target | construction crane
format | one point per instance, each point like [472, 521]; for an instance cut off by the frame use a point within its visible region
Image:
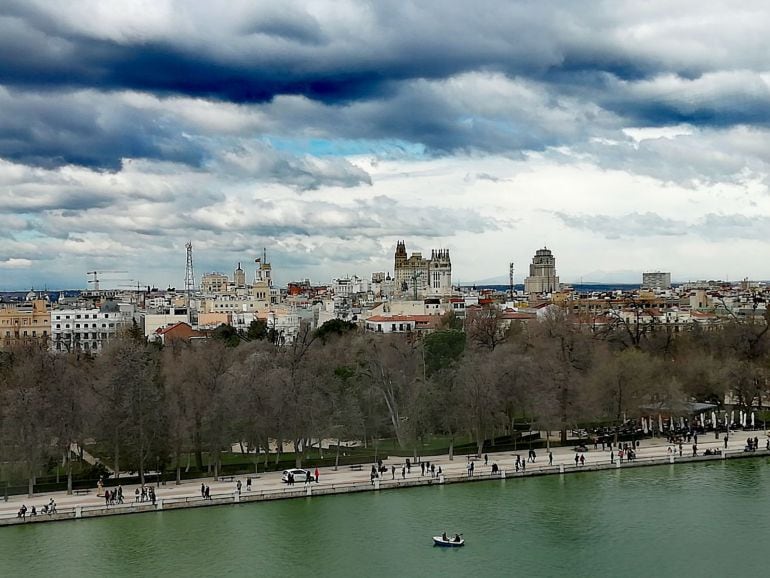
[95, 280]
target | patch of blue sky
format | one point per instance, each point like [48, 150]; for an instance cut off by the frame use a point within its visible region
[382, 148]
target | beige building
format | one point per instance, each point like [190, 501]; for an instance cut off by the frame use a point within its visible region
[25, 323]
[542, 273]
[418, 277]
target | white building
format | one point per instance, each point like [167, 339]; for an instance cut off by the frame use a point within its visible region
[164, 318]
[88, 329]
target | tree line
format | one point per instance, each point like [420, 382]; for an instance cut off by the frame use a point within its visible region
[147, 407]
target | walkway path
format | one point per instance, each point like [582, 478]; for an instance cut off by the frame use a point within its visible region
[331, 480]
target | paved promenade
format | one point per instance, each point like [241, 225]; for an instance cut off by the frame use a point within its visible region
[269, 485]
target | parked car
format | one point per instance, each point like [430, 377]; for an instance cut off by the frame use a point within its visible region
[299, 475]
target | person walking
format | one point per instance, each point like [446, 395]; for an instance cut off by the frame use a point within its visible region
[422, 468]
[582, 460]
[203, 492]
[403, 472]
[486, 459]
[577, 459]
[136, 494]
[248, 484]
[432, 470]
[725, 442]
[317, 474]
[238, 487]
[612, 457]
[207, 493]
[392, 472]
[120, 494]
[550, 458]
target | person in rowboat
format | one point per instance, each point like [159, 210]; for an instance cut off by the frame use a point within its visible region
[443, 537]
[457, 538]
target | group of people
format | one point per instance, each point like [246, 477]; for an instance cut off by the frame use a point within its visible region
[141, 494]
[111, 497]
[455, 539]
[49, 508]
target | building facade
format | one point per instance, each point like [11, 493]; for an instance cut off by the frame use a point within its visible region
[25, 324]
[419, 277]
[656, 280]
[86, 329]
[542, 273]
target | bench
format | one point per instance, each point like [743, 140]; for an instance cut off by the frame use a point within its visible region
[226, 478]
[357, 467]
[82, 492]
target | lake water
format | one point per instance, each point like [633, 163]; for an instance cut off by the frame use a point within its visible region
[704, 519]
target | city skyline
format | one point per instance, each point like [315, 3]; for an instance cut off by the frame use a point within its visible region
[627, 138]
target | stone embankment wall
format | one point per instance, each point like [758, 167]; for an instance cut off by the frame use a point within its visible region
[307, 490]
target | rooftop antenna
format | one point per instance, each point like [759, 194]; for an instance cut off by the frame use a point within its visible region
[189, 275]
[510, 278]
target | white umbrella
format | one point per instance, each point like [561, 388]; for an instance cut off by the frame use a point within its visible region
[644, 425]
[752, 420]
[660, 422]
[681, 422]
[714, 419]
[743, 418]
[732, 417]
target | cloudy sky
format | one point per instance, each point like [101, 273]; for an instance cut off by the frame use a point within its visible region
[625, 136]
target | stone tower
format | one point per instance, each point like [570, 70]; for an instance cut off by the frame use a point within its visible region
[239, 277]
[542, 273]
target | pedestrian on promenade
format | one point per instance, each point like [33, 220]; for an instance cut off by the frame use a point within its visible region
[152, 495]
[767, 444]
[392, 472]
[473, 467]
[486, 459]
[432, 470]
[523, 466]
[534, 456]
[603, 444]
[317, 474]
[577, 459]
[408, 466]
[403, 472]
[612, 457]
[550, 458]
[439, 471]
[203, 492]
[238, 487]
[422, 468]
[582, 460]
[207, 493]
[136, 494]
[468, 467]
[107, 498]
[120, 494]
[680, 449]
[725, 441]
[756, 443]
[248, 484]
[694, 450]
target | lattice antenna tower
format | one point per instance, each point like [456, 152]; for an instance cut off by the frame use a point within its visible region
[510, 279]
[189, 274]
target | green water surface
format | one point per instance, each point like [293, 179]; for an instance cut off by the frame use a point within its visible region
[704, 519]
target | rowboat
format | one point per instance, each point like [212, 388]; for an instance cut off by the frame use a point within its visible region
[448, 543]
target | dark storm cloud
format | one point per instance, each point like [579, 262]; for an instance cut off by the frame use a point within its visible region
[395, 70]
